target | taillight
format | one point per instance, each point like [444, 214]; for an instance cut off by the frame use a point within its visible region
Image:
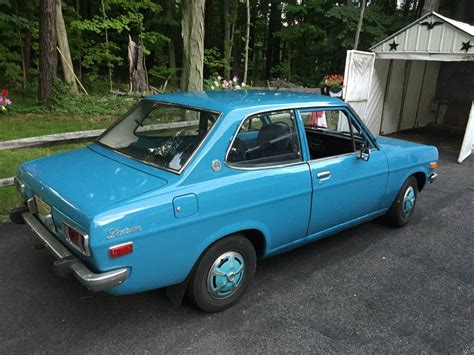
[77, 239]
[120, 250]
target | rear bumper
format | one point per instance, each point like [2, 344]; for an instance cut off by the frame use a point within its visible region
[68, 263]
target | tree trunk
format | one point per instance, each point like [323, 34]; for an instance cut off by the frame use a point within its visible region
[227, 39]
[193, 44]
[247, 39]
[137, 70]
[47, 43]
[273, 43]
[26, 56]
[430, 5]
[171, 49]
[63, 45]
[109, 66]
[359, 25]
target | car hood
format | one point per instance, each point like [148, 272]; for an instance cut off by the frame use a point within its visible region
[83, 181]
[388, 143]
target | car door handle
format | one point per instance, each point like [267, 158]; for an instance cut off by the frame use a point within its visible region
[323, 175]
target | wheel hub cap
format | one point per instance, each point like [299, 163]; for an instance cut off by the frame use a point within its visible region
[225, 275]
[408, 200]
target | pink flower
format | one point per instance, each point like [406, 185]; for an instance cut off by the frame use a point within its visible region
[8, 102]
[1, 98]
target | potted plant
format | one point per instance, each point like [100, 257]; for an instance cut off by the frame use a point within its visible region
[332, 84]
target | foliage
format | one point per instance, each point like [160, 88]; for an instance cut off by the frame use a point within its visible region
[333, 81]
[311, 39]
[4, 100]
[216, 82]
[213, 60]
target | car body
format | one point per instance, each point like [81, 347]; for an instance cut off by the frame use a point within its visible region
[160, 218]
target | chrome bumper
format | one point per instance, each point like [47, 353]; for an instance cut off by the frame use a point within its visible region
[68, 262]
[432, 177]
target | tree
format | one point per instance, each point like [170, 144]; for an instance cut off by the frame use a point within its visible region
[430, 5]
[359, 25]
[47, 47]
[169, 13]
[247, 39]
[193, 44]
[137, 70]
[65, 53]
[273, 42]
[229, 30]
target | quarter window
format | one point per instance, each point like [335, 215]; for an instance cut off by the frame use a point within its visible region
[265, 140]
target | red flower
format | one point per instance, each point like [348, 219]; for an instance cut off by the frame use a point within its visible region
[4, 92]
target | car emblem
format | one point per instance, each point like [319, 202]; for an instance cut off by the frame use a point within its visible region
[114, 232]
[216, 165]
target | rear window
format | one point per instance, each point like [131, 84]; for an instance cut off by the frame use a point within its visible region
[161, 135]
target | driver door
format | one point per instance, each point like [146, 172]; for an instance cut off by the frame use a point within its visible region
[346, 189]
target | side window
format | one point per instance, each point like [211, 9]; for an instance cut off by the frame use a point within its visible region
[330, 133]
[265, 140]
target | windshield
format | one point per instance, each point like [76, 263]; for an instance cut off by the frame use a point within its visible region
[159, 134]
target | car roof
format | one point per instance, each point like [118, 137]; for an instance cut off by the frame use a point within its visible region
[226, 101]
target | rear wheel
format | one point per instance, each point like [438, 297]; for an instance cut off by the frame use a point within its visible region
[223, 273]
[404, 205]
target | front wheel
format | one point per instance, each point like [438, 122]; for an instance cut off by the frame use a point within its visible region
[223, 273]
[404, 205]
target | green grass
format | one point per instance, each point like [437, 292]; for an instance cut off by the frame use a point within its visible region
[14, 126]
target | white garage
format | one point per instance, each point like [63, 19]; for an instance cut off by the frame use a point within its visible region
[422, 75]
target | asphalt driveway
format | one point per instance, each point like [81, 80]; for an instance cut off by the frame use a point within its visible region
[369, 289]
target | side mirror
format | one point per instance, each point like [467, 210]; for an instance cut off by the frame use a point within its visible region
[364, 153]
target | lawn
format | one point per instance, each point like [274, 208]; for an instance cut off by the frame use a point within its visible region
[16, 125]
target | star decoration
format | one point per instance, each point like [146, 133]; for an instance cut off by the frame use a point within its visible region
[393, 45]
[466, 46]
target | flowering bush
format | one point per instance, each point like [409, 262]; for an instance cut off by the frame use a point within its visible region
[4, 100]
[219, 83]
[333, 81]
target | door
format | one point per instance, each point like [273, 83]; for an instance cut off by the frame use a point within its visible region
[357, 80]
[468, 141]
[271, 183]
[345, 187]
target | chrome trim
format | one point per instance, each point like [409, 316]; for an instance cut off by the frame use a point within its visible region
[86, 251]
[234, 136]
[177, 172]
[263, 167]
[432, 177]
[99, 282]
[93, 281]
[323, 174]
[332, 157]
[31, 204]
[54, 245]
[20, 186]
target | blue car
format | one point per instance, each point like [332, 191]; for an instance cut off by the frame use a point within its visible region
[188, 190]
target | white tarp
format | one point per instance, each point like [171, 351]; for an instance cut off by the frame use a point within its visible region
[468, 141]
[357, 79]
